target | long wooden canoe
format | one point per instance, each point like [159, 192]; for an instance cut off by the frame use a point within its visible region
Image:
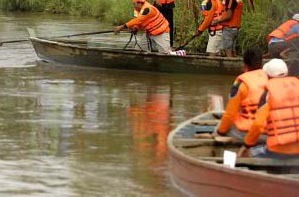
[197, 168]
[82, 54]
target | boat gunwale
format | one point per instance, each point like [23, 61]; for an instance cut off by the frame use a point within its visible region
[135, 52]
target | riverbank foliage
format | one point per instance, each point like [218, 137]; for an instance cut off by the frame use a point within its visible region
[267, 15]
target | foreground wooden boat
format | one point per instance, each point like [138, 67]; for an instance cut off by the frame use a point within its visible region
[197, 170]
[81, 54]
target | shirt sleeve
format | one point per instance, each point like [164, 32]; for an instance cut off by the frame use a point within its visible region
[207, 20]
[140, 19]
[239, 92]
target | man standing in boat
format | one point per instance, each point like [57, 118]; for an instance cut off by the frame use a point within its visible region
[231, 22]
[166, 8]
[212, 10]
[149, 19]
[244, 97]
[277, 116]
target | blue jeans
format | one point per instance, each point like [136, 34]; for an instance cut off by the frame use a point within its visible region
[240, 135]
[261, 151]
[230, 36]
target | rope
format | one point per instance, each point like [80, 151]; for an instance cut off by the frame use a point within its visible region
[133, 33]
[149, 43]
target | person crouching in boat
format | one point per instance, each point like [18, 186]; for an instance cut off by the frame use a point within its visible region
[278, 116]
[244, 97]
[149, 19]
[284, 38]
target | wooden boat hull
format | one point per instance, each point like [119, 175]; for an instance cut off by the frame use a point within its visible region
[198, 177]
[60, 52]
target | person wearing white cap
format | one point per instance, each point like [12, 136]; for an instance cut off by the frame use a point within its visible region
[296, 17]
[277, 116]
[284, 38]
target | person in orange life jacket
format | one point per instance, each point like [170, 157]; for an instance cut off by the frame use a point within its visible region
[231, 22]
[211, 10]
[284, 38]
[277, 116]
[153, 23]
[166, 8]
[244, 97]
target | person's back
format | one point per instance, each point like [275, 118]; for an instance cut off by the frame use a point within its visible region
[283, 101]
[277, 115]
[244, 97]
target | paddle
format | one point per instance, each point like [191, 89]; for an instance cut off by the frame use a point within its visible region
[87, 33]
[185, 44]
[13, 41]
[71, 35]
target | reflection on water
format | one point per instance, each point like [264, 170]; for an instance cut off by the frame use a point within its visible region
[74, 131]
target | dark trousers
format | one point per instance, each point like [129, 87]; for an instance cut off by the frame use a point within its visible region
[167, 11]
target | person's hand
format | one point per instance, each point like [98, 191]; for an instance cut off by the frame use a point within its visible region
[197, 33]
[215, 22]
[117, 29]
[134, 30]
[215, 132]
[284, 54]
[244, 152]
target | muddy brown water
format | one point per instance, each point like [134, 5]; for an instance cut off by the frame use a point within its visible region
[75, 131]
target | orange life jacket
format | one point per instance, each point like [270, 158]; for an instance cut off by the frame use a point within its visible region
[166, 1]
[283, 120]
[218, 14]
[256, 81]
[156, 24]
[284, 31]
[235, 20]
[217, 10]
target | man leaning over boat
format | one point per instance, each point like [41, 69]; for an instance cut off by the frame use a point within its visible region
[244, 97]
[284, 39]
[277, 116]
[156, 27]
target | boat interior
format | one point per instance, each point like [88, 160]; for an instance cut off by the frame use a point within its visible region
[194, 140]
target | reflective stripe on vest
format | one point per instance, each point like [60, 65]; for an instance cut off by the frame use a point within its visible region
[283, 120]
[284, 31]
[155, 25]
[255, 81]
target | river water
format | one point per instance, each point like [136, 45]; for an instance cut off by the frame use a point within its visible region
[76, 131]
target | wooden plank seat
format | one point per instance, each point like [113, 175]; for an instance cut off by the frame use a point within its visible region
[205, 122]
[257, 161]
[191, 142]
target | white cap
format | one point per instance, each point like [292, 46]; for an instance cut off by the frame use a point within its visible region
[276, 68]
[296, 17]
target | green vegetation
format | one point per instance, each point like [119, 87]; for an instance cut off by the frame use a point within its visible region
[268, 14]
